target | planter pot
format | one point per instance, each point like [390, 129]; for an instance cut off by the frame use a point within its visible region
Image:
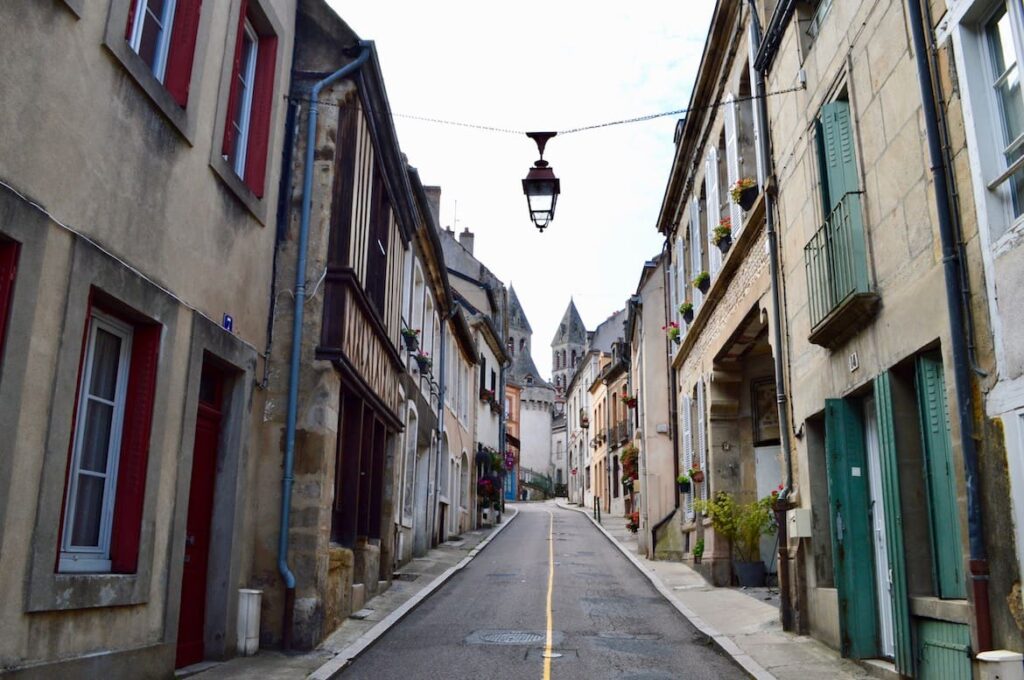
[676, 339]
[684, 487]
[748, 197]
[724, 244]
[750, 574]
[697, 476]
[412, 343]
[704, 285]
[424, 364]
[688, 316]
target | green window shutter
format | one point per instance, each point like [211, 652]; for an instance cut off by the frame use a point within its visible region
[894, 524]
[840, 161]
[939, 478]
[849, 504]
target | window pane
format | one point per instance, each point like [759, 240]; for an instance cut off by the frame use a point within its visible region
[1000, 42]
[149, 43]
[96, 437]
[106, 354]
[88, 510]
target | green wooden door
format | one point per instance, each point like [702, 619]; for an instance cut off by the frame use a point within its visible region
[944, 650]
[893, 510]
[939, 478]
[852, 559]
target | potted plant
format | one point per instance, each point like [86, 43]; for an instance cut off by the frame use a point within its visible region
[702, 282]
[424, 361]
[627, 484]
[698, 550]
[686, 309]
[411, 338]
[722, 235]
[630, 401]
[672, 330]
[697, 475]
[744, 192]
[486, 395]
[683, 483]
[742, 524]
[633, 521]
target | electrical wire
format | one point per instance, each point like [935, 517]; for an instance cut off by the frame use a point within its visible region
[582, 128]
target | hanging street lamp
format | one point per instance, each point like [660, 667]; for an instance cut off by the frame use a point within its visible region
[541, 186]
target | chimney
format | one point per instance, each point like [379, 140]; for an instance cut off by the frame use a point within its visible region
[434, 199]
[466, 239]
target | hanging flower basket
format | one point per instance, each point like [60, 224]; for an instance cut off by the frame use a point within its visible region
[424, 361]
[702, 282]
[744, 192]
[697, 475]
[722, 235]
[673, 331]
[683, 484]
[411, 338]
[630, 402]
[686, 309]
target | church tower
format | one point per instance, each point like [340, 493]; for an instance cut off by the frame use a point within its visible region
[567, 348]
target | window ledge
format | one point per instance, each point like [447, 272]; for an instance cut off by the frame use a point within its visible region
[235, 184]
[845, 321]
[62, 591]
[955, 611]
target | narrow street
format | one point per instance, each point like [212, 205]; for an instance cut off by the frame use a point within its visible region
[490, 619]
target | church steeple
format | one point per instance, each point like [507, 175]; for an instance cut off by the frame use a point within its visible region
[567, 347]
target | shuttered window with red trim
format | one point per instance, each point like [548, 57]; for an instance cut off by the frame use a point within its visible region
[8, 267]
[163, 33]
[250, 101]
[102, 519]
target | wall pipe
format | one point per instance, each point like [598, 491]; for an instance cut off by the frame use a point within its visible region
[783, 503]
[287, 476]
[978, 562]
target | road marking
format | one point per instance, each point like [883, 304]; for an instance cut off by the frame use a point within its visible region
[551, 589]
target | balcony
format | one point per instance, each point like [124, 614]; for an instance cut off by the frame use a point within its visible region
[840, 299]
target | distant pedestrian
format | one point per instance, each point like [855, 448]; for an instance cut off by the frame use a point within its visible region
[522, 494]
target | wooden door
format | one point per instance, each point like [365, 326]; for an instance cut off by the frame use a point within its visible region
[851, 531]
[192, 616]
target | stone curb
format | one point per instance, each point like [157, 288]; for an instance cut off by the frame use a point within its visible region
[342, 659]
[723, 642]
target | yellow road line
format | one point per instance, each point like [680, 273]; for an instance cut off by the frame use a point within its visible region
[551, 590]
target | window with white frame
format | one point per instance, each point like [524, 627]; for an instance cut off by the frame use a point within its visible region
[89, 510]
[150, 35]
[243, 89]
[1001, 31]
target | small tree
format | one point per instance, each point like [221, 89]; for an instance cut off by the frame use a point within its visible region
[742, 524]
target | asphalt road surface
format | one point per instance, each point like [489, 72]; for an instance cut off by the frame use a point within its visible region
[489, 622]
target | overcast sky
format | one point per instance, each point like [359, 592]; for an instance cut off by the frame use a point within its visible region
[543, 65]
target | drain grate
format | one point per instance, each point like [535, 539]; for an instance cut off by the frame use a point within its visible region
[405, 577]
[512, 637]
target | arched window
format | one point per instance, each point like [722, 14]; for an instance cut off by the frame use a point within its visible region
[574, 358]
[511, 345]
[563, 358]
[522, 344]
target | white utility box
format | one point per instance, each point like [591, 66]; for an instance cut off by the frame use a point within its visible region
[798, 521]
[1001, 664]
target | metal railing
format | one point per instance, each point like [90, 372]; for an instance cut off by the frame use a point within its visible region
[836, 260]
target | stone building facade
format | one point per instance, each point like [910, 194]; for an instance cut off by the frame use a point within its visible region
[135, 250]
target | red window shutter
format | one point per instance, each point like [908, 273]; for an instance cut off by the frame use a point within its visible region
[131, 472]
[259, 121]
[132, 11]
[182, 49]
[236, 68]
[8, 266]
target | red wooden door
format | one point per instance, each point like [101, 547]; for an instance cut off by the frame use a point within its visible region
[192, 616]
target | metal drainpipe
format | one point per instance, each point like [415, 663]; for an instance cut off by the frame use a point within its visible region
[293, 378]
[958, 345]
[672, 387]
[783, 503]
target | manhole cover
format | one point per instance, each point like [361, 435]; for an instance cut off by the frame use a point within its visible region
[512, 637]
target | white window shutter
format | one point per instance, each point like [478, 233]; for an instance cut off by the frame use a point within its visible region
[732, 158]
[753, 103]
[673, 301]
[702, 440]
[680, 280]
[687, 452]
[696, 265]
[714, 209]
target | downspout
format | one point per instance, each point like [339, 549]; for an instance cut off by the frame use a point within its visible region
[958, 345]
[672, 387]
[783, 503]
[293, 378]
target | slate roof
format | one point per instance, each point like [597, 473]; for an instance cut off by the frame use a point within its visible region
[571, 330]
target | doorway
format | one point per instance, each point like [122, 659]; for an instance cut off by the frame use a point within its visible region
[192, 611]
[883, 585]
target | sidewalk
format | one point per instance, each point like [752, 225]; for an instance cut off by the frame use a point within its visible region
[413, 583]
[742, 625]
